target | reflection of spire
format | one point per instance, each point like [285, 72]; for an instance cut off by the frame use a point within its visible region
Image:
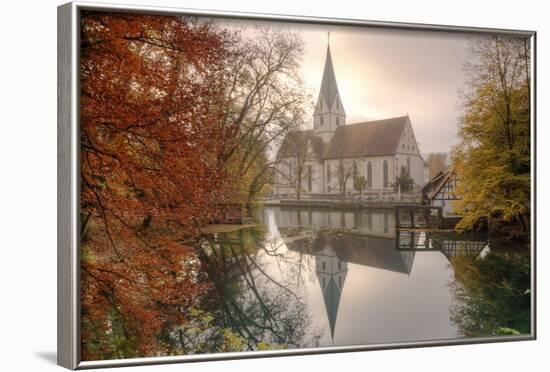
[331, 272]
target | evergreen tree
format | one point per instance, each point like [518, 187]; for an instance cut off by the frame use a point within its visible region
[404, 181]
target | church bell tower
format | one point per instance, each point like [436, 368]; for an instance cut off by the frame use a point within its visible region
[329, 112]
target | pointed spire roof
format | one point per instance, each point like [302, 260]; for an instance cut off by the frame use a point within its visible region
[332, 299]
[329, 88]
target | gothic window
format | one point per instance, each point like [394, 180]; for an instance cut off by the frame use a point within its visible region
[337, 121]
[321, 104]
[385, 174]
[354, 170]
[309, 186]
[403, 146]
[322, 120]
[324, 265]
[408, 165]
[337, 105]
[369, 175]
[328, 173]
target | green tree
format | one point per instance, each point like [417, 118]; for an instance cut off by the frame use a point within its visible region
[359, 184]
[492, 161]
[404, 181]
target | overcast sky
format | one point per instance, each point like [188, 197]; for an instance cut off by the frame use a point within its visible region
[383, 73]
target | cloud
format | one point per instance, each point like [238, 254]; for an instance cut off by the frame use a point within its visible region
[388, 72]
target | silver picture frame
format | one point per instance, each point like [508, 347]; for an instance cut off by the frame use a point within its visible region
[68, 176]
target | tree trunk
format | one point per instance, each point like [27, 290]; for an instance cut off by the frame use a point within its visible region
[85, 219]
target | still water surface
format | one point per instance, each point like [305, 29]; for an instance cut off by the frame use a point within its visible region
[318, 277]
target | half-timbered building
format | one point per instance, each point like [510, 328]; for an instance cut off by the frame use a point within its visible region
[441, 192]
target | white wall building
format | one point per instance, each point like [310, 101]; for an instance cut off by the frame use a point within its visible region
[318, 158]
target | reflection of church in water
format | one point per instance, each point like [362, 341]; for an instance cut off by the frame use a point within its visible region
[334, 251]
[363, 237]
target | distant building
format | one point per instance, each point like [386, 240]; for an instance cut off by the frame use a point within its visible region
[441, 192]
[437, 162]
[375, 150]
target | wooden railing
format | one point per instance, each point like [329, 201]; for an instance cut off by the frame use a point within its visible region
[371, 196]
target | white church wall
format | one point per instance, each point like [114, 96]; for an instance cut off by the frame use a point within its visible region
[377, 164]
[376, 223]
[415, 163]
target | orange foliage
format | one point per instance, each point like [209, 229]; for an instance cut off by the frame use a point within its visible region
[152, 150]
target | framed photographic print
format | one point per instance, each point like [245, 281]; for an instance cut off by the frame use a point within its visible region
[236, 185]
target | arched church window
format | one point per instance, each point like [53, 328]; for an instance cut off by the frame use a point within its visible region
[337, 121]
[385, 174]
[337, 105]
[328, 173]
[369, 175]
[322, 120]
[408, 165]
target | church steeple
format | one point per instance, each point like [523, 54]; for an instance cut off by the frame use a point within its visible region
[329, 87]
[331, 272]
[329, 112]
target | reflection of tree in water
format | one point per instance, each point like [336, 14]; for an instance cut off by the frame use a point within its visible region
[492, 293]
[248, 308]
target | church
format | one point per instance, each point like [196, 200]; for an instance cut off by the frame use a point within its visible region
[328, 158]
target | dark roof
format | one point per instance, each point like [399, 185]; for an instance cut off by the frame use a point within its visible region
[332, 295]
[358, 249]
[294, 141]
[431, 189]
[368, 251]
[329, 88]
[372, 138]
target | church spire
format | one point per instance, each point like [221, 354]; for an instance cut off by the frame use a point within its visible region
[329, 87]
[331, 272]
[329, 113]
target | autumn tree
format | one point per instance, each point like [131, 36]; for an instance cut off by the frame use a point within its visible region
[296, 156]
[152, 95]
[492, 160]
[266, 100]
[344, 171]
[436, 162]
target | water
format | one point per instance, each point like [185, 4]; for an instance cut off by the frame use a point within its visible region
[318, 277]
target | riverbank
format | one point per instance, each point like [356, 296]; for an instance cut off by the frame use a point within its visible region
[334, 204]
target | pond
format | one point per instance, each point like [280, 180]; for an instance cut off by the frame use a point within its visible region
[322, 277]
